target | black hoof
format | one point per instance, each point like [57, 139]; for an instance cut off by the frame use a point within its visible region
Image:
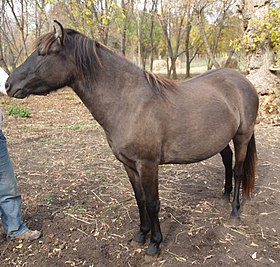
[226, 197]
[140, 237]
[153, 249]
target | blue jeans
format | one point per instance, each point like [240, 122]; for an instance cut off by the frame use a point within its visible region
[10, 198]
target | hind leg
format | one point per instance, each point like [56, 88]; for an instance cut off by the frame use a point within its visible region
[227, 161]
[240, 145]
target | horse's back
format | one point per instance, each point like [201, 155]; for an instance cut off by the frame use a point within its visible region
[222, 80]
[229, 86]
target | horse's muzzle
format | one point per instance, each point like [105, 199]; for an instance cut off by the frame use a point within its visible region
[14, 92]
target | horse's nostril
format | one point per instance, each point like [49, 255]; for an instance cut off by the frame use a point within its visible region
[7, 86]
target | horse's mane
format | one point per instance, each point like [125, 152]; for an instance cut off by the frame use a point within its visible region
[44, 42]
[159, 84]
[89, 66]
[83, 47]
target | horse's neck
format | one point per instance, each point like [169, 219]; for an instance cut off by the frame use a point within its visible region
[107, 97]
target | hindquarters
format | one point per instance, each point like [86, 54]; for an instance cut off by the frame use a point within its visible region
[244, 100]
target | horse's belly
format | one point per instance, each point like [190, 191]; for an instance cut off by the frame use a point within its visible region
[195, 147]
[186, 155]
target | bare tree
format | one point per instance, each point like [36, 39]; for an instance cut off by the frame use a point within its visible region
[172, 20]
[192, 47]
[153, 13]
[209, 51]
[40, 17]
[21, 20]
[16, 22]
[126, 9]
[215, 14]
[3, 62]
[141, 16]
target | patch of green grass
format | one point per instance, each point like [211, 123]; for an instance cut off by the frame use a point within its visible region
[50, 200]
[74, 126]
[79, 209]
[17, 111]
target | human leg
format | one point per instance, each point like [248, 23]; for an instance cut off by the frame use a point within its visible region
[10, 198]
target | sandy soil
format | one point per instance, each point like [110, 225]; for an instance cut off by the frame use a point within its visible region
[78, 195]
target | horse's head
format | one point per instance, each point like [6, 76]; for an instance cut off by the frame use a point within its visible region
[49, 67]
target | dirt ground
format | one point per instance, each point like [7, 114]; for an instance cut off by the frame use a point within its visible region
[79, 196]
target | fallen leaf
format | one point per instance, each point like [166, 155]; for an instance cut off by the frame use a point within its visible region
[20, 245]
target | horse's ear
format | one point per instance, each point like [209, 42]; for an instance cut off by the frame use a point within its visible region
[59, 32]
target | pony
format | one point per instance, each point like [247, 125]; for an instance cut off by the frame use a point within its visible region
[149, 120]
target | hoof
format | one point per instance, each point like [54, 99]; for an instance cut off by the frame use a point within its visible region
[140, 237]
[153, 250]
[226, 197]
[224, 201]
[150, 259]
[234, 221]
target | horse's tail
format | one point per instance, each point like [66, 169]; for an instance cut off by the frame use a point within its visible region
[250, 162]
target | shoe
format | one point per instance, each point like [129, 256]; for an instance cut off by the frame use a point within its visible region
[28, 235]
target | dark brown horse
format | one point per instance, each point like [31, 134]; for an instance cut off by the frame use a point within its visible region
[149, 120]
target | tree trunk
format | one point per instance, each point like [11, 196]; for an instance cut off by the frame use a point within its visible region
[123, 41]
[153, 13]
[187, 45]
[173, 68]
[260, 59]
[206, 42]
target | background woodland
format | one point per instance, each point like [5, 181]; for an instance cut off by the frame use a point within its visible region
[160, 35]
